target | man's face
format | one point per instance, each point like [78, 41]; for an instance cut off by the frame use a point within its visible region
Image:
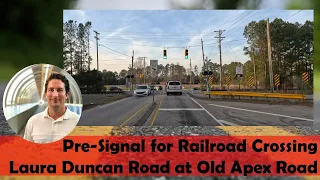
[56, 93]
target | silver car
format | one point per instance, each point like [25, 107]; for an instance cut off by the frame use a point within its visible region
[142, 90]
[174, 87]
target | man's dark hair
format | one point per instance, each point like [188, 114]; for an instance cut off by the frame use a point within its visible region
[59, 77]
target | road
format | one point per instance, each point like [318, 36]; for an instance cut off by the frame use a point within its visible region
[124, 112]
[175, 110]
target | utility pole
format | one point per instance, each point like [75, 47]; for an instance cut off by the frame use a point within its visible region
[97, 50]
[207, 77]
[254, 68]
[144, 70]
[269, 56]
[132, 68]
[190, 74]
[204, 65]
[219, 40]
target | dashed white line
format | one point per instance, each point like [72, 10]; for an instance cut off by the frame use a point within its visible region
[248, 110]
[207, 111]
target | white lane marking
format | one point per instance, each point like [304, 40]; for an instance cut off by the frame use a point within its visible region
[106, 105]
[228, 123]
[262, 112]
[207, 111]
[181, 109]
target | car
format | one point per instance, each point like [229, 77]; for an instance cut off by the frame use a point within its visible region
[114, 88]
[160, 88]
[142, 90]
[174, 87]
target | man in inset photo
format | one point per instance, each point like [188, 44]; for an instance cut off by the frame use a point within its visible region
[56, 121]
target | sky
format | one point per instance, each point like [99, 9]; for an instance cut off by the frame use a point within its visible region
[148, 32]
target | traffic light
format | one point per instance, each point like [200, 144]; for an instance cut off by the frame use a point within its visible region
[186, 53]
[164, 54]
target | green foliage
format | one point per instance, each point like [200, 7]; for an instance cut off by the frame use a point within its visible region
[31, 35]
[90, 81]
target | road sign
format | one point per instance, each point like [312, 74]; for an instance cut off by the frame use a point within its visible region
[154, 65]
[276, 80]
[239, 71]
[305, 77]
[250, 81]
[228, 80]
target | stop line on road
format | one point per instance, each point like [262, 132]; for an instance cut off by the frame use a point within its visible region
[180, 109]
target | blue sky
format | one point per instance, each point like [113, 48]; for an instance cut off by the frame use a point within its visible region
[148, 32]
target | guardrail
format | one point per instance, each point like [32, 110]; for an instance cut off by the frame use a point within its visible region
[254, 94]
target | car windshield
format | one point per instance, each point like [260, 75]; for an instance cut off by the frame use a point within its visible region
[142, 87]
[174, 83]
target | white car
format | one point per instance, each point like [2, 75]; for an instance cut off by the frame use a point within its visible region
[142, 90]
[174, 87]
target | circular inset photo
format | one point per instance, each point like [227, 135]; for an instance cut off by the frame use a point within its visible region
[42, 103]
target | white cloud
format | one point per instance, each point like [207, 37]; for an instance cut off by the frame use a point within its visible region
[116, 32]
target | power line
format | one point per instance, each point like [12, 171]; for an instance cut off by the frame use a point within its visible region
[243, 21]
[237, 20]
[293, 15]
[227, 20]
[173, 46]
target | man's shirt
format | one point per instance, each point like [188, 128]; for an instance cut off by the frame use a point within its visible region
[41, 128]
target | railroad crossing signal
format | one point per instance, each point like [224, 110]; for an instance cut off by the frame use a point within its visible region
[186, 54]
[250, 81]
[305, 77]
[205, 73]
[276, 80]
[130, 76]
[228, 80]
[165, 54]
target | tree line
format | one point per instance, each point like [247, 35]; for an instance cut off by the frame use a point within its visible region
[292, 54]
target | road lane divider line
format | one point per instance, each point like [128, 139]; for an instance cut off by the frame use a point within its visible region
[134, 114]
[155, 114]
[207, 111]
[228, 123]
[260, 112]
[181, 109]
[106, 105]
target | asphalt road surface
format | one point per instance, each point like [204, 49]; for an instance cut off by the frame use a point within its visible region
[125, 112]
[176, 110]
